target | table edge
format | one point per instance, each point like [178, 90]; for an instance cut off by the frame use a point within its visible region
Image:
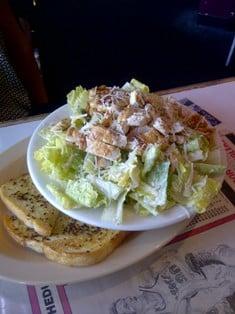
[195, 86]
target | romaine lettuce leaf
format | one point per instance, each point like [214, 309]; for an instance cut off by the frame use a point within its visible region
[213, 156]
[147, 197]
[151, 154]
[50, 135]
[203, 195]
[141, 86]
[141, 210]
[153, 194]
[125, 174]
[180, 186]
[197, 155]
[60, 195]
[114, 213]
[77, 100]
[134, 84]
[96, 118]
[158, 179]
[108, 188]
[209, 169]
[120, 204]
[89, 165]
[84, 193]
[58, 159]
[197, 148]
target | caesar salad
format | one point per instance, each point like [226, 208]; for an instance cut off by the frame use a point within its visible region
[126, 146]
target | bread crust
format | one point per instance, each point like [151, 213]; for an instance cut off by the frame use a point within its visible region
[26, 203]
[22, 234]
[88, 246]
[54, 252]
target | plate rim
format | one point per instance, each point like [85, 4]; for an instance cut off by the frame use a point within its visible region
[176, 229]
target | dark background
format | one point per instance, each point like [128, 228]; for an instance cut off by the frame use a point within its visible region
[161, 43]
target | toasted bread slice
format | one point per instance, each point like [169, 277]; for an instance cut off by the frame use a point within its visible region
[23, 235]
[72, 243]
[26, 203]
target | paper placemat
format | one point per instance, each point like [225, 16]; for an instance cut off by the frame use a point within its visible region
[195, 273]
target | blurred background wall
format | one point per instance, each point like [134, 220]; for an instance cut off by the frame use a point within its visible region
[162, 43]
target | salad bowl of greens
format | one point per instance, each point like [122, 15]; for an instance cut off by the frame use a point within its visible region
[125, 158]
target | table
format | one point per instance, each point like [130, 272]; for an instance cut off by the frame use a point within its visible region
[195, 273]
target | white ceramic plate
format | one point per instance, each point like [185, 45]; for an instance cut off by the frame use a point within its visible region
[131, 221]
[25, 266]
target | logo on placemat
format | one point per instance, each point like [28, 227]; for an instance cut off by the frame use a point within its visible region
[209, 117]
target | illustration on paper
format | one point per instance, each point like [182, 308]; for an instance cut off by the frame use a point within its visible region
[198, 282]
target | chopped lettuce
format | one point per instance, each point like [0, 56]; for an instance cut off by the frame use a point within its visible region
[140, 210]
[141, 86]
[201, 190]
[213, 156]
[189, 180]
[50, 134]
[134, 84]
[158, 179]
[95, 119]
[181, 183]
[58, 159]
[84, 193]
[204, 191]
[153, 194]
[147, 197]
[197, 148]
[60, 195]
[125, 174]
[109, 189]
[169, 204]
[114, 213]
[89, 164]
[120, 204]
[209, 169]
[78, 99]
[151, 154]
